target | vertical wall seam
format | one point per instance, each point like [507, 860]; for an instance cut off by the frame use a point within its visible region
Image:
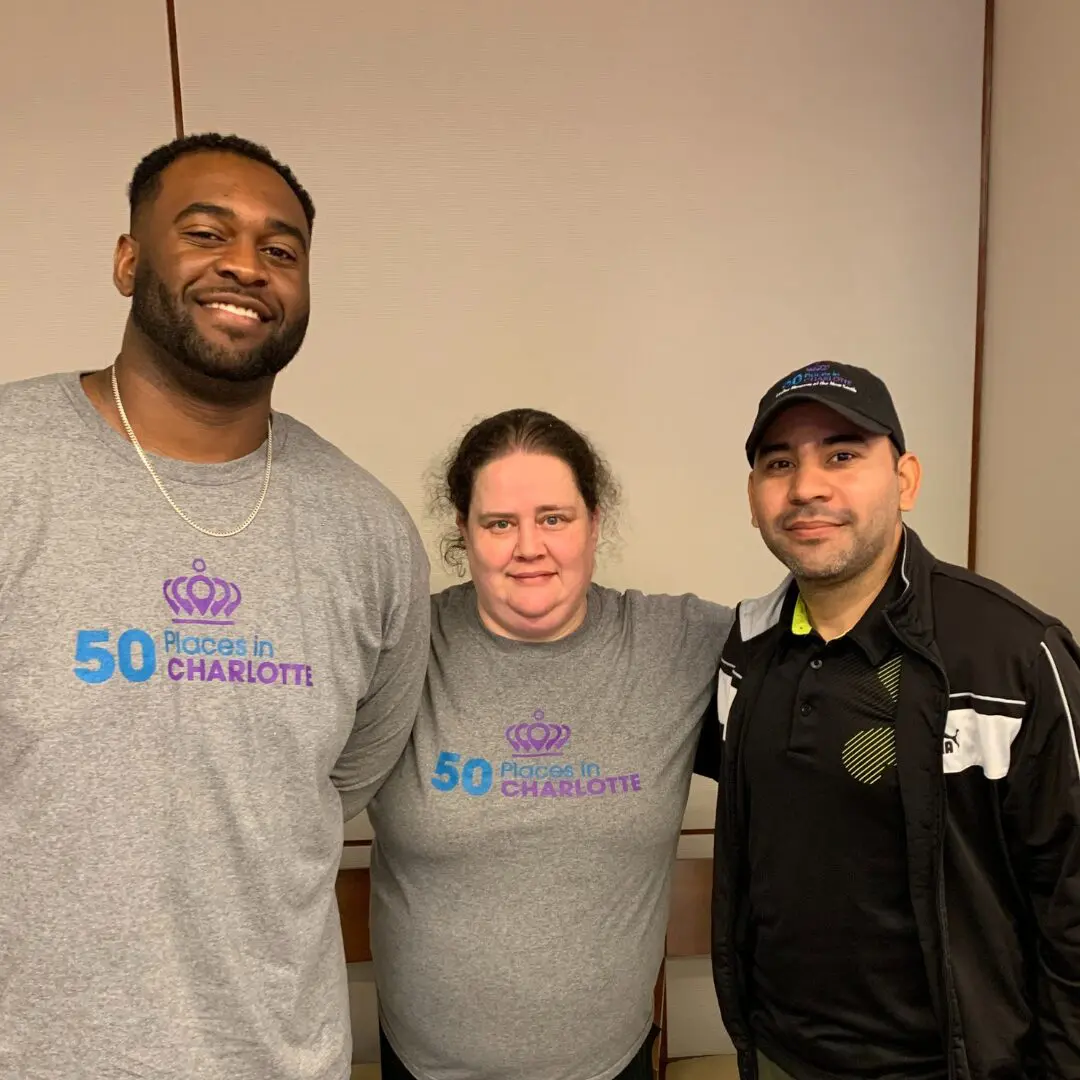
[174, 62]
[980, 294]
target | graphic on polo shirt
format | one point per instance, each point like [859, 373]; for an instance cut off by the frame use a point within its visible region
[889, 676]
[198, 644]
[869, 753]
[536, 768]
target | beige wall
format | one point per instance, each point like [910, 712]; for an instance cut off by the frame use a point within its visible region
[637, 215]
[84, 93]
[1029, 498]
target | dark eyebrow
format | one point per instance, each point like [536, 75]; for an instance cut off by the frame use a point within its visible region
[494, 516]
[204, 208]
[829, 440]
[772, 448]
[846, 437]
[274, 224]
[277, 225]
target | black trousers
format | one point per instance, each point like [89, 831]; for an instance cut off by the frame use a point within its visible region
[638, 1069]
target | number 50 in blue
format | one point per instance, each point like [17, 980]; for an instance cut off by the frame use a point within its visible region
[475, 776]
[89, 650]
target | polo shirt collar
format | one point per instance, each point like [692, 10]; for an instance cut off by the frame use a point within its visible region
[872, 633]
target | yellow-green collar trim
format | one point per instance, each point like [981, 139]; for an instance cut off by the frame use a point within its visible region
[800, 619]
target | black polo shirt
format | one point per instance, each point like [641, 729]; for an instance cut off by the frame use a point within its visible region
[838, 983]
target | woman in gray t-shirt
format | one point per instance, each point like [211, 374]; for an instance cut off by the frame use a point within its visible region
[524, 844]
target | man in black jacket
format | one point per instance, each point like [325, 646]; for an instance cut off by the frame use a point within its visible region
[897, 875]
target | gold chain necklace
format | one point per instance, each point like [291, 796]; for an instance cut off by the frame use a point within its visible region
[161, 487]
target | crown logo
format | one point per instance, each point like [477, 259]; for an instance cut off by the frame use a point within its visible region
[200, 599]
[537, 738]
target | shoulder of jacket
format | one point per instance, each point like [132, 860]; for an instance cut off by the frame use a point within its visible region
[988, 605]
[990, 640]
[754, 618]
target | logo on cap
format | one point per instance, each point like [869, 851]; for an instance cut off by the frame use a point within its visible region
[820, 374]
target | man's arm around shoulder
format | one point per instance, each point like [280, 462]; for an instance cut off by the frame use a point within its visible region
[708, 759]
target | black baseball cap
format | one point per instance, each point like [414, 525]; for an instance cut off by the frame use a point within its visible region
[855, 393]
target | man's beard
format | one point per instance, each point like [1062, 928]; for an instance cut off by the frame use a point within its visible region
[171, 328]
[867, 541]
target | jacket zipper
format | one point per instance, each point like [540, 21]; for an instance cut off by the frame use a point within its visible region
[942, 914]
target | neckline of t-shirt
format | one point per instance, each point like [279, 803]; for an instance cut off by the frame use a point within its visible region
[186, 472]
[572, 641]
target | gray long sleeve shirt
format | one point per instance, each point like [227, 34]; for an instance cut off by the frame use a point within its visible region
[181, 720]
[524, 843]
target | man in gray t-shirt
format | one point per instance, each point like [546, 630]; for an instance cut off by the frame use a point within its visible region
[212, 643]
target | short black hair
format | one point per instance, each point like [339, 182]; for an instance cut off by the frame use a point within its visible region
[146, 180]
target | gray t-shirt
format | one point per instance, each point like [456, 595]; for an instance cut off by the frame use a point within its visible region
[182, 719]
[524, 843]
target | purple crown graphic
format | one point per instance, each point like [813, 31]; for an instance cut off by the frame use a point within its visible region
[537, 738]
[200, 599]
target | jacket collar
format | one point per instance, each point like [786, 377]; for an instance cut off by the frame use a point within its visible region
[911, 613]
